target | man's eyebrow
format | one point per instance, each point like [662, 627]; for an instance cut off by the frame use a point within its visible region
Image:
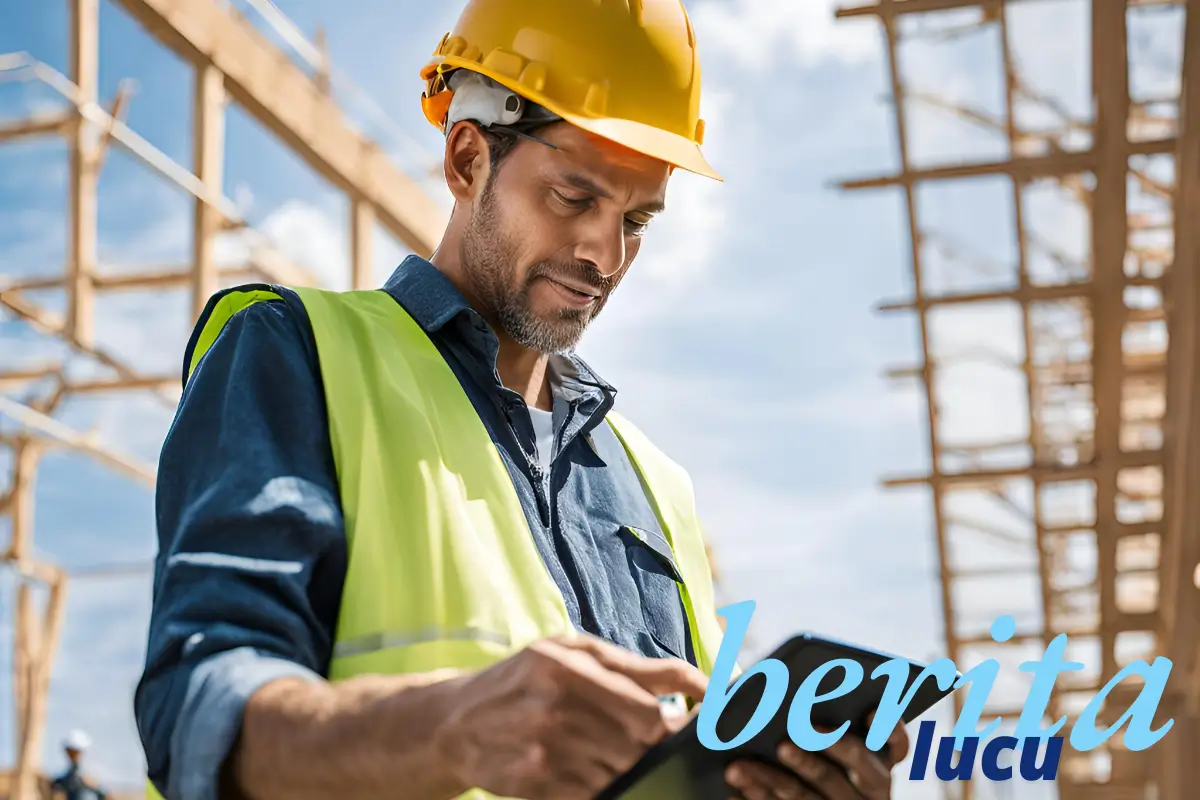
[586, 184]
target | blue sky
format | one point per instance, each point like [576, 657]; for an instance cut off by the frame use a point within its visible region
[744, 342]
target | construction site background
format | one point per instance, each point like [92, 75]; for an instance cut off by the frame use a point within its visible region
[1028, 206]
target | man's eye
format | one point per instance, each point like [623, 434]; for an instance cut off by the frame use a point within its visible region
[572, 202]
[636, 227]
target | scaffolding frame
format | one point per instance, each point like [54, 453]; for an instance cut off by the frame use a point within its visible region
[232, 61]
[1111, 405]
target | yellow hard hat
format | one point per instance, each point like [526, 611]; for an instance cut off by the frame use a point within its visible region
[625, 70]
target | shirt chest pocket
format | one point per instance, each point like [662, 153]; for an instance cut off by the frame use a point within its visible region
[654, 573]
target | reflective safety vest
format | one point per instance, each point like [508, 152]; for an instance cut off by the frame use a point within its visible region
[442, 567]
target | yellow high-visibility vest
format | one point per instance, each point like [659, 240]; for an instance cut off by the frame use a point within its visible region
[442, 569]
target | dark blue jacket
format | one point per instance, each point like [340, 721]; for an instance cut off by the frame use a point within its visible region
[252, 550]
[74, 786]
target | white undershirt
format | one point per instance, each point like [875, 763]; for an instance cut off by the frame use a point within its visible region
[543, 431]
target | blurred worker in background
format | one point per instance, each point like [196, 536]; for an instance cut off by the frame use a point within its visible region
[71, 785]
[407, 548]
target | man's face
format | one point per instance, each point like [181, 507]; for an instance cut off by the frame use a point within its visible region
[556, 230]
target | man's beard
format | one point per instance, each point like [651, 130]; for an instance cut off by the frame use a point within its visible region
[488, 258]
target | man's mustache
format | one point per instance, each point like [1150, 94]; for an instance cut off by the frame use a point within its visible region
[575, 272]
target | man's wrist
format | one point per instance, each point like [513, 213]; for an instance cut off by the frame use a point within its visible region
[364, 736]
[446, 731]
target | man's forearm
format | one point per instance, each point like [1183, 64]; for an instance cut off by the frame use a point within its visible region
[364, 737]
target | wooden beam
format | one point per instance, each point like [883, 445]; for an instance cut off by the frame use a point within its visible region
[263, 262]
[1025, 293]
[362, 235]
[1051, 166]
[37, 125]
[25, 461]
[1109, 229]
[901, 128]
[48, 426]
[292, 106]
[50, 324]
[38, 688]
[926, 6]
[152, 279]
[165, 382]
[81, 257]
[19, 377]
[1181, 543]
[208, 143]
[23, 642]
[116, 115]
[26, 646]
[973, 479]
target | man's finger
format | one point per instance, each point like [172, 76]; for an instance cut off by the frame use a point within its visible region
[830, 781]
[755, 781]
[611, 692]
[657, 675]
[896, 749]
[867, 771]
[898, 745]
[608, 742]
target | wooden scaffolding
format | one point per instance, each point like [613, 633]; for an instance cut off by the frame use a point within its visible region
[232, 61]
[1102, 487]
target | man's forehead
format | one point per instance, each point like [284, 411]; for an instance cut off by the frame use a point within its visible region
[587, 158]
[588, 145]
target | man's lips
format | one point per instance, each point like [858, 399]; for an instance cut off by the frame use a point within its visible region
[574, 293]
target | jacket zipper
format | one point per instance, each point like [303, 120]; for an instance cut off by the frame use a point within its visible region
[562, 434]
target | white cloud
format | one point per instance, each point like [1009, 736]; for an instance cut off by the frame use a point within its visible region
[760, 35]
[302, 232]
[682, 245]
[1051, 45]
[867, 404]
[759, 529]
[1156, 52]
[981, 390]
[308, 236]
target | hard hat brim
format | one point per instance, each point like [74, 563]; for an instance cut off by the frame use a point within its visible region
[676, 150]
[647, 140]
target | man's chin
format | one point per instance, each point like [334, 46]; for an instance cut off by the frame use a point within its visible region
[550, 338]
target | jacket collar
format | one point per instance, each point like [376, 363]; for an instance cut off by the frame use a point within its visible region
[433, 301]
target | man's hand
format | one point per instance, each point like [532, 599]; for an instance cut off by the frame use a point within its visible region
[561, 719]
[845, 771]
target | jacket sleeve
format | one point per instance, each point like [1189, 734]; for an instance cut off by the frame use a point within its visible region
[252, 554]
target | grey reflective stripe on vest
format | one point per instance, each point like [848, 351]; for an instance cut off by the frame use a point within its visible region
[388, 640]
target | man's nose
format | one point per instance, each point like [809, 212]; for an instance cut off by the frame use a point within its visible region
[602, 246]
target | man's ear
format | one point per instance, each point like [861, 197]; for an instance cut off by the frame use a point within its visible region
[467, 162]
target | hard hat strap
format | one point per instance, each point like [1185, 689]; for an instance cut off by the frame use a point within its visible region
[516, 132]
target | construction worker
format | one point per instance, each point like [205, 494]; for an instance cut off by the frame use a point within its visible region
[408, 549]
[71, 785]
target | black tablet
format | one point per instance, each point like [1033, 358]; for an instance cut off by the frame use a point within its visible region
[681, 768]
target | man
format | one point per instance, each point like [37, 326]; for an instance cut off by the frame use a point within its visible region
[71, 785]
[407, 548]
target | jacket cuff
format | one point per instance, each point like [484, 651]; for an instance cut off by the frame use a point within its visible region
[211, 717]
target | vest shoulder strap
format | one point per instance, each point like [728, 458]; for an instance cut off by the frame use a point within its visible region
[221, 308]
